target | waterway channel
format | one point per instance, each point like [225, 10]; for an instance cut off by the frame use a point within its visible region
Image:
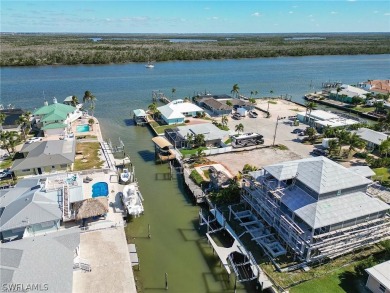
[175, 246]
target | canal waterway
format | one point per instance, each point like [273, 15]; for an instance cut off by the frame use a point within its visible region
[175, 246]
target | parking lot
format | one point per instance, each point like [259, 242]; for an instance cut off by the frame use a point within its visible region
[266, 127]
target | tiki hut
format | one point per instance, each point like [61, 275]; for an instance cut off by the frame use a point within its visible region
[91, 207]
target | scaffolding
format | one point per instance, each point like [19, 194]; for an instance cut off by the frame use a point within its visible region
[264, 200]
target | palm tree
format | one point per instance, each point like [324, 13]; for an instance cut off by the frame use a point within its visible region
[173, 92]
[90, 98]
[91, 122]
[309, 107]
[338, 89]
[2, 119]
[235, 90]
[333, 146]
[384, 123]
[355, 142]
[384, 147]
[328, 131]
[9, 140]
[189, 140]
[253, 102]
[199, 140]
[310, 132]
[229, 103]
[75, 101]
[24, 122]
[224, 120]
[153, 108]
[271, 92]
[239, 128]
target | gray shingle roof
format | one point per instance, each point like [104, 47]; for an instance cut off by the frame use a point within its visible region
[41, 260]
[28, 209]
[319, 174]
[46, 153]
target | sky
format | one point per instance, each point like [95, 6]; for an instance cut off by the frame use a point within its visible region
[277, 16]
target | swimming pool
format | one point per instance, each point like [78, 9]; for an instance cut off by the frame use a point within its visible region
[100, 189]
[82, 128]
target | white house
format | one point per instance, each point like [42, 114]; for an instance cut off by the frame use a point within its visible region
[176, 111]
[379, 278]
[371, 137]
[321, 118]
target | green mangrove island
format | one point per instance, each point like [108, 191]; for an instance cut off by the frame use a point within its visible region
[33, 49]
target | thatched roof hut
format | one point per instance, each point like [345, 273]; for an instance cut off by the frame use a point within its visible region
[91, 207]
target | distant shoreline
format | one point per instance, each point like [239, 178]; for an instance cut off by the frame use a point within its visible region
[72, 49]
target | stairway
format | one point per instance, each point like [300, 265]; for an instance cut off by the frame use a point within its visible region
[65, 198]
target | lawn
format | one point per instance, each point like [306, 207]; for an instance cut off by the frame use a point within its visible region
[161, 128]
[339, 281]
[6, 163]
[191, 151]
[364, 109]
[87, 156]
[381, 174]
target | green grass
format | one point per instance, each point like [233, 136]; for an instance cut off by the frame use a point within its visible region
[90, 158]
[381, 174]
[7, 163]
[206, 173]
[228, 141]
[339, 281]
[161, 128]
[273, 102]
[191, 151]
[196, 177]
[364, 109]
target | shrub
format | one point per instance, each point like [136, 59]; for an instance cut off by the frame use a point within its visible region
[186, 121]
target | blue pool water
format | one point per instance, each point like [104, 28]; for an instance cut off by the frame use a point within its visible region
[82, 128]
[100, 189]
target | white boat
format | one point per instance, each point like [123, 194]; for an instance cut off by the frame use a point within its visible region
[149, 65]
[132, 200]
[125, 175]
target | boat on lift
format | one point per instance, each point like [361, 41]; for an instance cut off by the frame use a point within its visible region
[132, 200]
[126, 176]
[149, 65]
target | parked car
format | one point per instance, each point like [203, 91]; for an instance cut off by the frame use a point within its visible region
[319, 152]
[236, 116]
[253, 114]
[5, 174]
[34, 139]
[301, 133]
[297, 130]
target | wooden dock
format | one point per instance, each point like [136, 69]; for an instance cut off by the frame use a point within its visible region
[160, 96]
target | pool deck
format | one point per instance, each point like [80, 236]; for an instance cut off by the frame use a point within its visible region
[104, 244]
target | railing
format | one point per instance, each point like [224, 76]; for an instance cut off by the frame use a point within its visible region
[218, 151]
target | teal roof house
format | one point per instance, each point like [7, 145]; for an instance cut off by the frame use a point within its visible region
[56, 118]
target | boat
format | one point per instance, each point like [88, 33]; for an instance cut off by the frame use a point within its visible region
[125, 175]
[132, 200]
[149, 65]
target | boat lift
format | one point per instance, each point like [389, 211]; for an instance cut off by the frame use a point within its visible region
[245, 267]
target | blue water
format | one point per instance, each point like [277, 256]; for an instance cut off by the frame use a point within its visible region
[100, 189]
[119, 89]
[82, 128]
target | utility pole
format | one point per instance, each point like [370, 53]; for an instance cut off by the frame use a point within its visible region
[276, 127]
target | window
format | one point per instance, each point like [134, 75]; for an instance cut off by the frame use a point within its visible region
[26, 170]
[382, 288]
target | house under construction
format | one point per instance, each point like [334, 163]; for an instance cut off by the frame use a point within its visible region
[314, 208]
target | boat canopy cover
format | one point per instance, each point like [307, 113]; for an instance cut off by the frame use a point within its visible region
[161, 142]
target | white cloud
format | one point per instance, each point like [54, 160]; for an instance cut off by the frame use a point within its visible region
[295, 6]
[291, 12]
[257, 14]
[108, 19]
[387, 14]
[375, 11]
[351, 0]
[311, 16]
[333, 12]
[206, 8]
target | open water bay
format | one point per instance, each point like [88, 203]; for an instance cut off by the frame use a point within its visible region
[176, 247]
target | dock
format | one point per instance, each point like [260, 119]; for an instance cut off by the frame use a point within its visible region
[160, 96]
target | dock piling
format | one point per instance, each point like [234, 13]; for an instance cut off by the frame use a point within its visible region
[166, 281]
[149, 234]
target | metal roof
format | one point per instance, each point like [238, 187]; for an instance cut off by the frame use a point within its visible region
[364, 171]
[209, 130]
[46, 259]
[139, 113]
[381, 273]
[319, 174]
[372, 136]
[28, 209]
[46, 153]
[333, 210]
[176, 108]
